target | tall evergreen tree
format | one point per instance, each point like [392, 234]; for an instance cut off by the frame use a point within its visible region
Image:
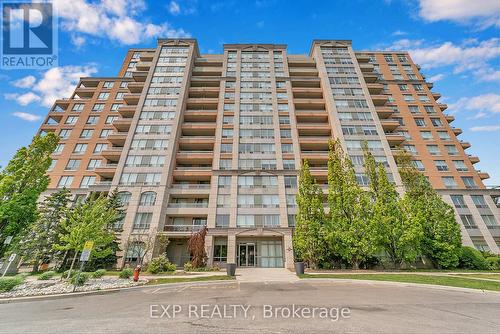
[308, 240]
[350, 231]
[21, 183]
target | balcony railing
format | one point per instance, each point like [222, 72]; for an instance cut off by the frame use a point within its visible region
[190, 186]
[182, 228]
[188, 205]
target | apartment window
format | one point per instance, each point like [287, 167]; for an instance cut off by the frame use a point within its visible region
[433, 150]
[458, 201]
[444, 135]
[429, 109]
[116, 106]
[108, 84]
[441, 165]
[80, 148]
[291, 201]
[280, 84]
[59, 148]
[286, 133]
[224, 181]
[65, 181]
[111, 119]
[119, 96]
[286, 148]
[124, 84]
[490, 221]
[98, 107]
[72, 164]
[226, 148]
[291, 220]
[53, 163]
[460, 165]
[92, 120]
[227, 120]
[290, 181]
[225, 164]
[436, 122]
[426, 135]
[105, 133]
[229, 95]
[451, 149]
[148, 198]
[71, 120]
[220, 253]
[468, 221]
[64, 133]
[414, 109]
[78, 107]
[388, 58]
[418, 87]
[103, 96]
[469, 182]
[420, 122]
[228, 107]
[87, 181]
[230, 84]
[449, 182]
[282, 107]
[410, 149]
[284, 119]
[93, 164]
[403, 87]
[100, 147]
[223, 201]
[408, 98]
[222, 221]
[227, 133]
[423, 98]
[418, 165]
[479, 201]
[142, 220]
[288, 164]
[86, 133]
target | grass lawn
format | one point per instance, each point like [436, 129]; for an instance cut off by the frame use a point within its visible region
[488, 276]
[189, 279]
[415, 278]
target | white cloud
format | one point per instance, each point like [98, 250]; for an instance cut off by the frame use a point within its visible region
[25, 82]
[485, 128]
[174, 8]
[399, 33]
[436, 78]
[118, 20]
[472, 56]
[481, 105]
[482, 13]
[23, 99]
[77, 40]
[26, 116]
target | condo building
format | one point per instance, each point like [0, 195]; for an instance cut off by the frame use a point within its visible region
[217, 140]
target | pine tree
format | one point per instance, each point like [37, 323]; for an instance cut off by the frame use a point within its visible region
[308, 240]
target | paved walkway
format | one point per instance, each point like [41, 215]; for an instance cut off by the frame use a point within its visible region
[265, 275]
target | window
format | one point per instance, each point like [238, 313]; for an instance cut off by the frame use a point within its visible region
[286, 133]
[227, 120]
[148, 198]
[116, 106]
[124, 197]
[290, 182]
[100, 147]
[73, 164]
[444, 135]
[479, 201]
[224, 181]
[105, 133]
[119, 96]
[225, 164]
[288, 164]
[52, 165]
[468, 221]
[111, 119]
[98, 107]
[86, 133]
[429, 109]
[65, 181]
[458, 201]
[408, 98]
[108, 84]
[403, 87]
[388, 58]
[222, 221]
[423, 98]
[87, 181]
[64, 133]
[420, 121]
[220, 253]
[93, 120]
[227, 133]
[291, 220]
[436, 122]
[426, 135]
[71, 120]
[449, 182]
[451, 149]
[414, 109]
[103, 96]
[78, 107]
[418, 165]
[226, 148]
[489, 221]
[59, 148]
[284, 119]
[291, 201]
[80, 148]
[286, 148]
[441, 165]
[142, 220]
[460, 165]
[124, 84]
[469, 182]
[433, 150]
[93, 164]
[410, 149]
[418, 87]
[223, 201]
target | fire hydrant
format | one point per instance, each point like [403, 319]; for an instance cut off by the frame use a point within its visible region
[137, 271]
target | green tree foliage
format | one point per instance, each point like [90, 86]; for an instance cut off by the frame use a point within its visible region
[308, 240]
[441, 241]
[21, 183]
[396, 235]
[350, 231]
[89, 221]
[38, 240]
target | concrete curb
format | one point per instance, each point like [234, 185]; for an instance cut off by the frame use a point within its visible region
[433, 286]
[105, 291]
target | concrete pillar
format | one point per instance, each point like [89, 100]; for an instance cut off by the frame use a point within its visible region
[288, 249]
[231, 248]
[209, 248]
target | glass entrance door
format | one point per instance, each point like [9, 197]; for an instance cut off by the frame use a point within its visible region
[246, 255]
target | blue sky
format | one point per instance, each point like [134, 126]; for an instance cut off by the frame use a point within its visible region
[457, 42]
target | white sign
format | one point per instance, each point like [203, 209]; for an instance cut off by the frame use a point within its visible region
[85, 255]
[12, 257]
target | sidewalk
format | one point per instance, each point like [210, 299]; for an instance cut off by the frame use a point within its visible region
[265, 275]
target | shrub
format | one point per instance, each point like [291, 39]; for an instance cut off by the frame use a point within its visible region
[160, 264]
[188, 266]
[126, 273]
[8, 283]
[47, 275]
[80, 280]
[99, 273]
[493, 262]
[65, 273]
[471, 258]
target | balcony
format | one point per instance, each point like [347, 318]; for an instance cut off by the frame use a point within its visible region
[192, 157]
[139, 76]
[362, 58]
[395, 139]
[202, 103]
[62, 103]
[465, 144]
[135, 87]
[366, 67]
[436, 95]
[314, 156]
[375, 88]
[300, 61]
[127, 111]
[183, 228]
[146, 56]
[456, 131]
[122, 125]
[198, 128]
[449, 118]
[90, 82]
[132, 98]
[192, 173]
[303, 71]
[370, 77]
[118, 138]
[190, 188]
[389, 124]
[212, 91]
[143, 65]
[379, 100]
[200, 116]
[309, 104]
[318, 129]
[207, 71]
[107, 171]
[190, 142]
[84, 93]
[442, 106]
[191, 208]
[300, 92]
[483, 175]
[473, 159]
[384, 112]
[112, 153]
[305, 82]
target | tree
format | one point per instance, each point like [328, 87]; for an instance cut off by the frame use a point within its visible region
[441, 241]
[196, 247]
[88, 221]
[397, 236]
[308, 240]
[350, 231]
[21, 183]
[38, 240]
